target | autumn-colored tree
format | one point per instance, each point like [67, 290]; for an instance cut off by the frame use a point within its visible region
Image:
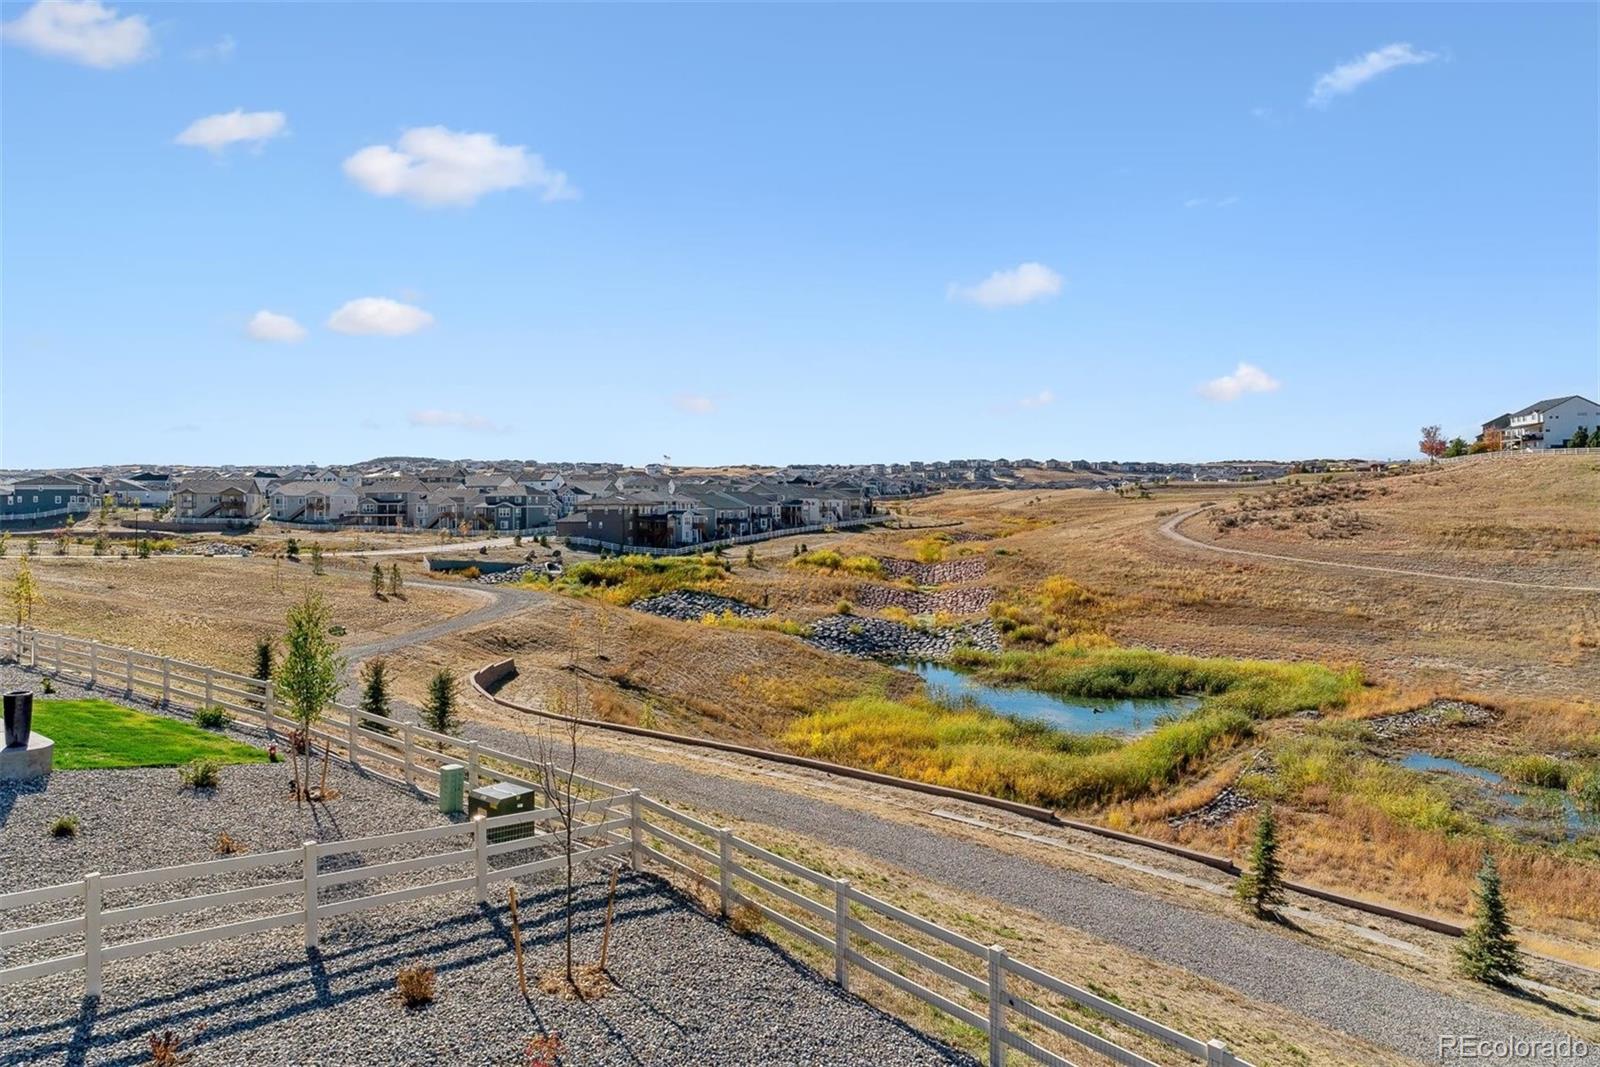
[24, 592]
[1432, 444]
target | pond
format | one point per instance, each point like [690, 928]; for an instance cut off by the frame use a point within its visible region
[1127, 718]
[1524, 806]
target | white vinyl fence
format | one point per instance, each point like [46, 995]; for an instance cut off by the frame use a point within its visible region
[867, 940]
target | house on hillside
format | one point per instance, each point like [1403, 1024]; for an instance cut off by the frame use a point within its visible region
[1550, 423]
[234, 501]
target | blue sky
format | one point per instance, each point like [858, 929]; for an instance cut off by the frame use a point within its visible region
[787, 233]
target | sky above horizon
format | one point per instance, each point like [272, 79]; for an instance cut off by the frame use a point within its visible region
[239, 233]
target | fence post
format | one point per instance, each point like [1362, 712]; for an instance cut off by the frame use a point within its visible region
[355, 738]
[94, 663]
[405, 729]
[1219, 1055]
[997, 1006]
[472, 764]
[58, 655]
[480, 844]
[33, 650]
[309, 873]
[635, 831]
[166, 681]
[208, 687]
[128, 677]
[841, 932]
[266, 704]
[91, 933]
[725, 869]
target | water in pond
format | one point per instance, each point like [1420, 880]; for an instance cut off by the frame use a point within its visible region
[1079, 716]
[1523, 804]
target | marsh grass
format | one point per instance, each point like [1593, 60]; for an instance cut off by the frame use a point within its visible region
[727, 620]
[827, 559]
[624, 579]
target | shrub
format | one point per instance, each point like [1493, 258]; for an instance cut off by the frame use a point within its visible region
[1533, 769]
[624, 579]
[337, 631]
[843, 607]
[200, 774]
[47, 686]
[1260, 887]
[212, 718]
[65, 826]
[228, 845]
[827, 559]
[415, 985]
[1488, 952]
[470, 573]
[166, 1050]
[746, 919]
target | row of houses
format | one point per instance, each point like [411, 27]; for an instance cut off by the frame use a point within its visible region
[679, 515]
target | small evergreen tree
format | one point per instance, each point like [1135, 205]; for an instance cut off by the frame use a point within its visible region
[144, 548]
[1488, 952]
[377, 580]
[33, 546]
[394, 579]
[292, 549]
[1582, 438]
[439, 713]
[1261, 887]
[100, 544]
[375, 693]
[263, 671]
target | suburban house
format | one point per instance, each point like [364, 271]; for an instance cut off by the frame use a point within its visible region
[35, 499]
[391, 503]
[671, 513]
[1550, 423]
[145, 490]
[314, 501]
[218, 500]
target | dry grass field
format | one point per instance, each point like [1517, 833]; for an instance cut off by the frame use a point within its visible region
[213, 610]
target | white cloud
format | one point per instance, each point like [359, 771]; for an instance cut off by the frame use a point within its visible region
[1206, 201]
[694, 404]
[379, 315]
[1196, 201]
[220, 51]
[433, 418]
[216, 132]
[1348, 77]
[1009, 288]
[432, 165]
[1228, 201]
[1043, 398]
[1246, 378]
[84, 31]
[270, 326]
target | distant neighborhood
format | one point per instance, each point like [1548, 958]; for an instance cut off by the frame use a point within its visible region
[606, 504]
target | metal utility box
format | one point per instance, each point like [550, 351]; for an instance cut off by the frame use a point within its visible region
[504, 798]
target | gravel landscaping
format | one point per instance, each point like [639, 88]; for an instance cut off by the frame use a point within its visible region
[688, 989]
[962, 600]
[852, 635]
[689, 605]
[953, 570]
[1437, 713]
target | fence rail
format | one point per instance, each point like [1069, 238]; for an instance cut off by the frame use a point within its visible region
[867, 938]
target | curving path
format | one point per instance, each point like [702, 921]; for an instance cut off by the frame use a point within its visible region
[1169, 529]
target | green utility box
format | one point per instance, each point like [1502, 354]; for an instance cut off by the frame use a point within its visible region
[504, 798]
[452, 780]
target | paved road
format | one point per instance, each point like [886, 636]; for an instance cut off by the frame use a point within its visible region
[1332, 989]
[1169, 529]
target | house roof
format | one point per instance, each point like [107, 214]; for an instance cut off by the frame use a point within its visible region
[217, 485]
[307, 488]
[1546, 405]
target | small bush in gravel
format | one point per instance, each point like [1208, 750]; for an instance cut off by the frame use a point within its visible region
[415, 985]
[200, 774]
[65, 826]
[166, 1050]
[228, 845]
[212, 718]
[543, 1051]
[48, 687]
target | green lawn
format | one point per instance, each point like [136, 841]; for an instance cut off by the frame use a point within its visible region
[97, 735]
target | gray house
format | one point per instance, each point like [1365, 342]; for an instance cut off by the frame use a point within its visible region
[40, 498]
